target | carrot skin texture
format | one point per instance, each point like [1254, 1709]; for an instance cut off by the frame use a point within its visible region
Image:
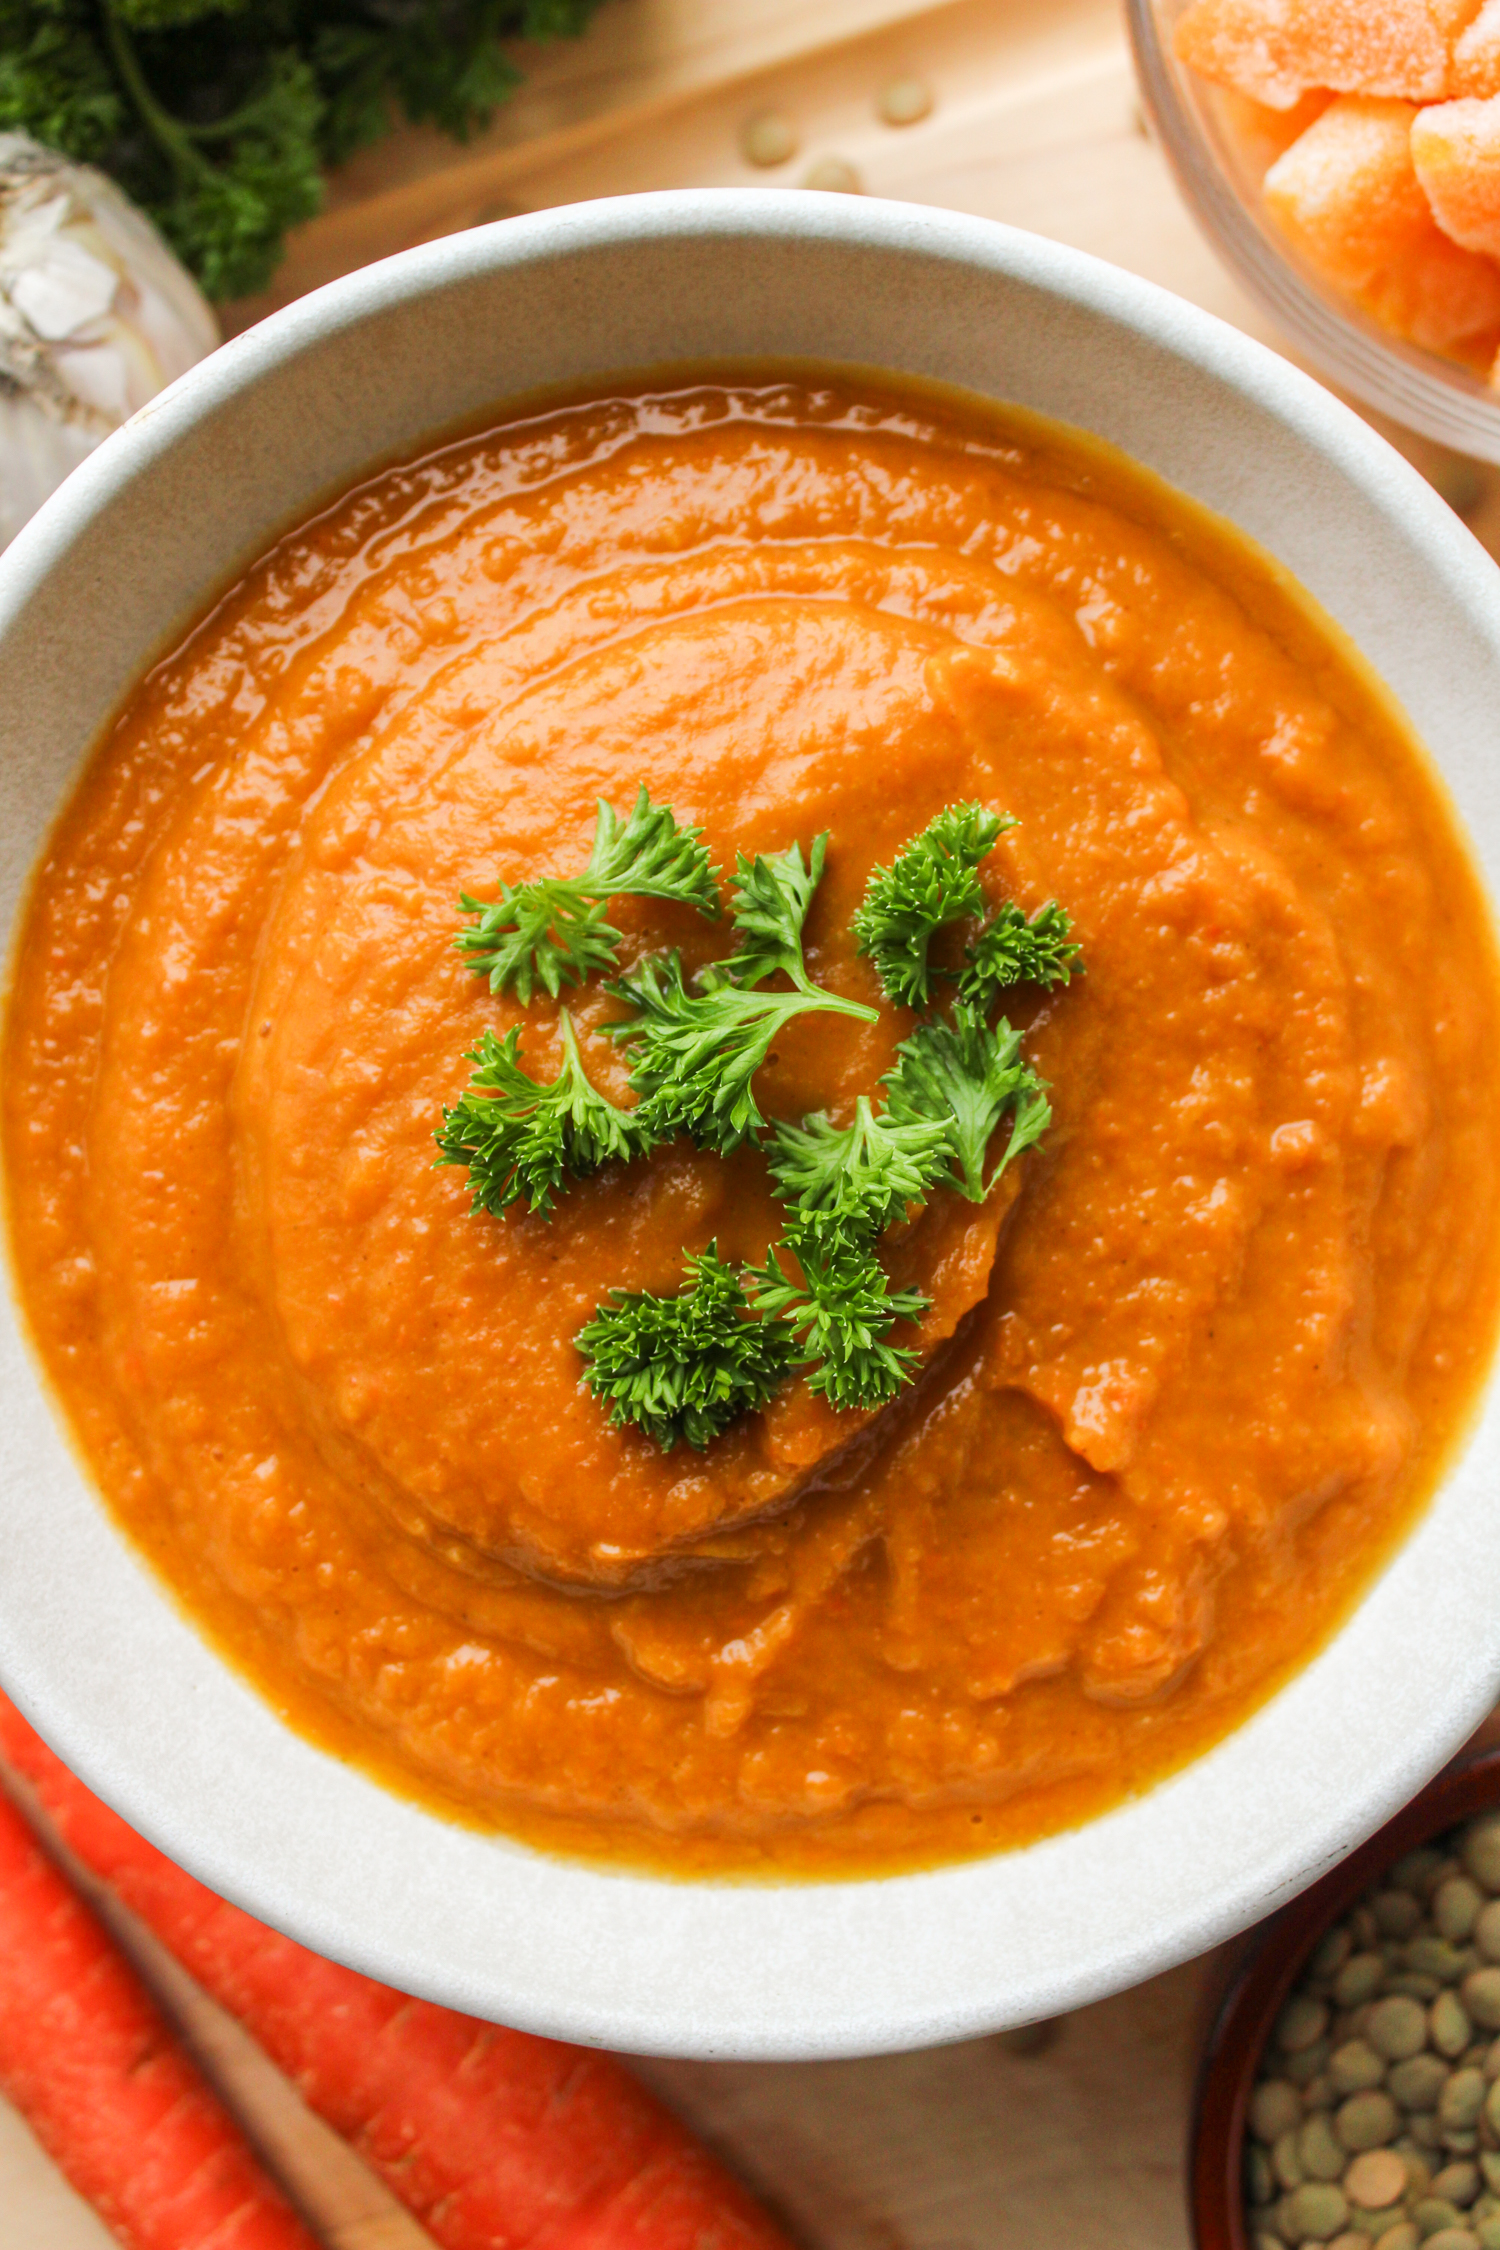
[94, 2067]
[493, 2139]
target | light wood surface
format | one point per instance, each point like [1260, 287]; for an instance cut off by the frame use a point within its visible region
[1034, 120]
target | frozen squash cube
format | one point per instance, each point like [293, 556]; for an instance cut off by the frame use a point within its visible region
[1259, 134]
[1348, 198]
[1476, 55]
[1456, 151]
[1277, 50]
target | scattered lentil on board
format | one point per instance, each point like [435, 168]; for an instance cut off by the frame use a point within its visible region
[1375, 2118]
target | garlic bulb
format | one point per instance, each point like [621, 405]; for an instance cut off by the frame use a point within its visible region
[96, 316]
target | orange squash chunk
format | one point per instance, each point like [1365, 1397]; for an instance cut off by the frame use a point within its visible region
[1348, 197]
[1277, 50]
[1456, 151]
[1476, 56]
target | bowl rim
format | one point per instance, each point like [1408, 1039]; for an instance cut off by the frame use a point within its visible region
[721, 1968]
[1263, 1975]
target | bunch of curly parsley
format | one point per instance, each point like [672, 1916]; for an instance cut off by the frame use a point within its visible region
[683, 1367]
[219, 117]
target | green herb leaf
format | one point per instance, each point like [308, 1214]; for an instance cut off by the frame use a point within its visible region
[519, 1137]
[841, 1308]
[1010, 950]
[684, 1367]
[696, 1053]
[218, 116]
[865, 1174]
[553, 932]
[968, 1076]
[771, 896]
[933, 880]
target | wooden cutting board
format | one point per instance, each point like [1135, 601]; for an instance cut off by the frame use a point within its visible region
[1034, 119]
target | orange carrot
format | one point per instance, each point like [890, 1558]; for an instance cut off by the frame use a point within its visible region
[91, 2063]
[494, 2140]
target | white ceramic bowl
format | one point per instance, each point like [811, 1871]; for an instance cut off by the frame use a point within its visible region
[99, 1656]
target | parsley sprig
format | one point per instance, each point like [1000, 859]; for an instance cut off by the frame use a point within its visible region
[518, 1137]
[1012, 950]
[864, 1174]
[552, 931]
[684, 1367]
[966, 1076]
[219, 117]
[696, 1053]
[931, 881]
[841, 1309]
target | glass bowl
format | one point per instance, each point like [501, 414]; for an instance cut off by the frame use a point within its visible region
[1219, 181]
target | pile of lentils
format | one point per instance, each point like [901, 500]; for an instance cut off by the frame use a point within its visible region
[1376, 2113]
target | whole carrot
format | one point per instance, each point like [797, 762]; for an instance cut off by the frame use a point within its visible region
[91, 2063]
[493, 2139]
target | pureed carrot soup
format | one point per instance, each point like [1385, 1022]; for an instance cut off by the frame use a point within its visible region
[993, 1506]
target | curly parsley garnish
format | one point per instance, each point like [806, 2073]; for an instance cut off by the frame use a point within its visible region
[683, 1368]
[966, 1076]
[1012, 950]
[519, 1137]
[695, 1053]
[552, 931]
[931, 881]
[841, 1309]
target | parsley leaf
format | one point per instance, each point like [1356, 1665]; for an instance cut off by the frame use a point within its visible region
[865, 1173]
[932, 880]
[771, 898]
[841, 1309]
[218, 116]
[1010, 950]
[684, 1367]
[553, 932]
[519, 1137]
[696, 1053]
[968, 1076]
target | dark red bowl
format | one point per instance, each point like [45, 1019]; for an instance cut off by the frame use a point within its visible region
[1262, 1972]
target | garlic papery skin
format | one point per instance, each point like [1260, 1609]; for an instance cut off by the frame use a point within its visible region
[96, 316]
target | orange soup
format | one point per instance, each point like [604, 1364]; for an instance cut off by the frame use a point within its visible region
[1181, 1379]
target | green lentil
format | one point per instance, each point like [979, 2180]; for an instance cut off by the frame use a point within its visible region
[1359, 1980]
[1435, 1957]
[1480, 1851]
[1331, 1952]
[1492, 2106]
[1487, 2233]
[1317, 2211]
[1319, 2151]
[1456, 1907]
[1260, 2181]
[1418, 1871]
[1461, 2099]
[1396, 1913]
[1448, 2026]
[1397, 2027]
[1432, 2214]
[1453, 2238]
[1402, 2236]
[1458, 2183]
[1352, 2068]
[1304, 2068]
[1414, 1984]
[1481, 1996]
[1417, 2082]
[1489, 2165]
[1274, 2106]
[1487, 1930]
[1366, 2120]
[1301, 2024]
[1286, 2160]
